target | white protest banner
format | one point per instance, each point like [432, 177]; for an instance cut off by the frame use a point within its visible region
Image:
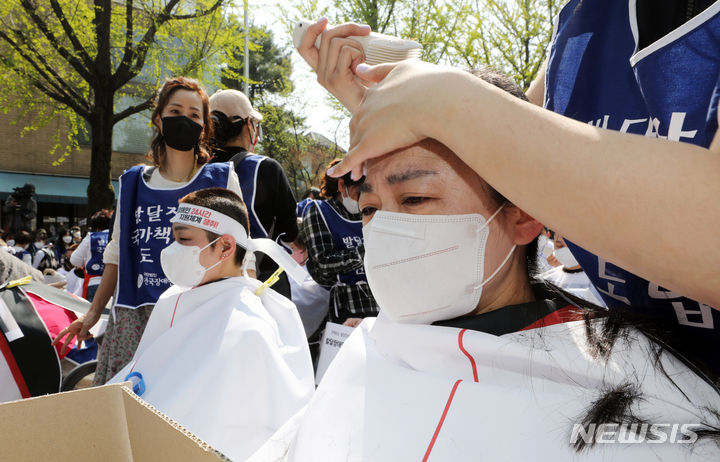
[333, 338]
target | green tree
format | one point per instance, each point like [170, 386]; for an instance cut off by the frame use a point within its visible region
[270, 66]
[303, 158]
[78, 60]
[511, 36]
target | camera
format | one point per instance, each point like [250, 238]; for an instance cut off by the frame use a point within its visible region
[22, 193]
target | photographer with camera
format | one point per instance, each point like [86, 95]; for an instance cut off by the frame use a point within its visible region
[22, 208]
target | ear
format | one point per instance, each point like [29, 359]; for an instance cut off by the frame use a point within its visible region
[158, 123]
[526, 228]
[227, 246]
[341, 184]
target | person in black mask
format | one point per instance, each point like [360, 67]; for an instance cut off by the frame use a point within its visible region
[266, 189]
[147, 201]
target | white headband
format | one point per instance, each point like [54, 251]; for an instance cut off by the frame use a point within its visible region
[219, 223]
[211, 220]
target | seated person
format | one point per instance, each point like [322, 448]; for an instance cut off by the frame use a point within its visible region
[472, 358]
[227, 364]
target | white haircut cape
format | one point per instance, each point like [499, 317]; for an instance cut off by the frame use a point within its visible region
[228, 365]
[400, 392]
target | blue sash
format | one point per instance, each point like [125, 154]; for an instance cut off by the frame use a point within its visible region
[98, 241]
[145, 214]
[347, 235]
[247, 172]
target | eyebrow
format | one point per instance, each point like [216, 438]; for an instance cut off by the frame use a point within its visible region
[180, 105]
[364, 187]
[396, 178]
[176, 227]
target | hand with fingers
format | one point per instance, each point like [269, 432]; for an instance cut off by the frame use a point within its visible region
[401, 110]
[336, 59]
[78, 329]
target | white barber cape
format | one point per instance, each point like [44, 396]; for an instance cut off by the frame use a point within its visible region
[399, 392]
[228, 365]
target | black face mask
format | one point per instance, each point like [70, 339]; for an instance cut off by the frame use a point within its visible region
[181, 133]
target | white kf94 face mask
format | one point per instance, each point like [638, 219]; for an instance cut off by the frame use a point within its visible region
[426, 268]
[181, 264]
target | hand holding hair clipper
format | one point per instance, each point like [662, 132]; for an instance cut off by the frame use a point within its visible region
[338, 55]
[378, 48]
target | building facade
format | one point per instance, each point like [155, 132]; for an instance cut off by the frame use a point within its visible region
[61, 190]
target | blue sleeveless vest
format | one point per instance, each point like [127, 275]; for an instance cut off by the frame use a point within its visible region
[22, 254]
[145, 230]
[667, 90]
[347, 235]
[303, 206]
[247, 172]
[98, 241]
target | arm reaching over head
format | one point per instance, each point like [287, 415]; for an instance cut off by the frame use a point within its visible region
[626, 198]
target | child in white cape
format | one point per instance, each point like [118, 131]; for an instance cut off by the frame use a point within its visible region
[222, 355]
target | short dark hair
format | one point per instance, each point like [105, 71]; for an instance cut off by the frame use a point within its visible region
[40, 234]
[22, 238]
[500, 80]
[101, 220]
[314, 192]
[329, 185]
[226, 202]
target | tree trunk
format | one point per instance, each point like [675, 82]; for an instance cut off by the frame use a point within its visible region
[101, 194]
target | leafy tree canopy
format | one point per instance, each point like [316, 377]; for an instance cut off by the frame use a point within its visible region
[100, 61]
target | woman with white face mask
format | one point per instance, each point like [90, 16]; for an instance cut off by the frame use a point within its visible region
[332, 233]
[222, 355]
[471, 358]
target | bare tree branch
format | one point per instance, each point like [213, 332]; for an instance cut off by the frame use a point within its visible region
[66, 55]
[63, 99]
[132, 110]
[127, 69]
[59, 91]
[70, 32]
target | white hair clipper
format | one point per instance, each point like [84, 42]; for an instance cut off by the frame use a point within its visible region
[378, 48]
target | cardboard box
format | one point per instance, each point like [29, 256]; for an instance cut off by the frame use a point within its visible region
[108, 423]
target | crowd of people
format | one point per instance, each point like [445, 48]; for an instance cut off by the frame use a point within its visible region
[493, 256]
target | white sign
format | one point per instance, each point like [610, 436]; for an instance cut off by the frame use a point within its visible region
[333, 338]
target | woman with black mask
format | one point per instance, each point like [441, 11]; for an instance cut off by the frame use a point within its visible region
[147, 201]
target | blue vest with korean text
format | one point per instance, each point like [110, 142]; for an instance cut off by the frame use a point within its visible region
[98, 242]
[145, 230]
[668, 90]
[347, 235]
[247, 172]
